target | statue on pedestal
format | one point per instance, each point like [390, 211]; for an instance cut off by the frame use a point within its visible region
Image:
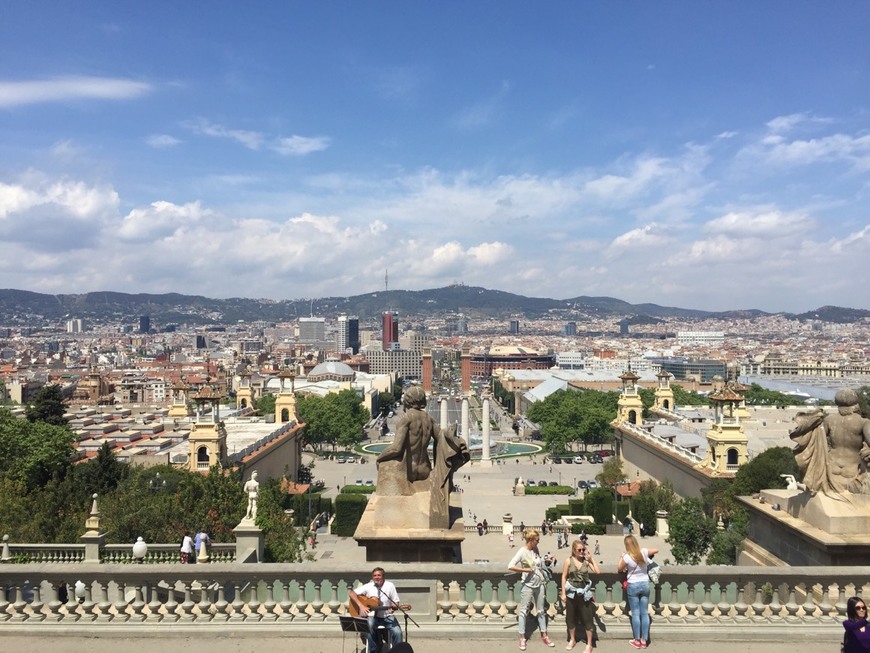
[833, 451]
[252, 489]
[404, 467]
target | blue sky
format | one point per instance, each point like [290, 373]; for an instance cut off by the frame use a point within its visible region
[710, 155]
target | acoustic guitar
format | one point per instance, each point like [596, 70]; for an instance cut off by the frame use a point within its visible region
[370, 602]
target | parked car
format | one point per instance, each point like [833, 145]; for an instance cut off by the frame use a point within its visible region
[583, 485]
[596, 459]
[578, 460]
[554, 483]
[340, 459]
[568, 460]
[369, 483]
[557, 460]
[542, 483]
[605, 454]
[592, 485]
[530, 482]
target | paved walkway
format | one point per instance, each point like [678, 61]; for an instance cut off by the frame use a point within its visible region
[487, 494]
[287, 641]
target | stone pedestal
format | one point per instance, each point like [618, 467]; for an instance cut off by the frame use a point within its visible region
[249, 538]
[396, 529]
[791, 527]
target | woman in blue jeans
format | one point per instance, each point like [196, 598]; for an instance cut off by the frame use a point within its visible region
[634, 563]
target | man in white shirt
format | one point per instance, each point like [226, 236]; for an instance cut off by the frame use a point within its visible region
[381, 613]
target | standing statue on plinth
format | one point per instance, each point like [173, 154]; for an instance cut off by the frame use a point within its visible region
[833, 451]
[252, 489]
[404, 466]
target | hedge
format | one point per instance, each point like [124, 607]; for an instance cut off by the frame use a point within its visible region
[550, 489]
[358, 489]
[349, 509]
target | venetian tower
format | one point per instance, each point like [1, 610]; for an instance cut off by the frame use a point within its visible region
[180, 392]
[629, 407]
[727, 444]
[245, 396]
[285, 402]
[207, 443]
[664, 395]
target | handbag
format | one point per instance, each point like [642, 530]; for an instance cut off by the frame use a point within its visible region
[654, 571]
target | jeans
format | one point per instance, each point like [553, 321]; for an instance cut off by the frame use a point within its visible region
[638, 604]
[527, 595]
[393, 629]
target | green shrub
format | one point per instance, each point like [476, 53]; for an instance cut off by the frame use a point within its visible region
[358, 489]
[349, 509]
[591, 529]
[553, 514]
[576, 507]
[550, 489]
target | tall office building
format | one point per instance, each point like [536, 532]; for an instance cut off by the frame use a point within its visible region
[390, 338]
[75, 325]
[570, 329]
[312, 329]
[144, 324]
[347, 335]
[515, 327]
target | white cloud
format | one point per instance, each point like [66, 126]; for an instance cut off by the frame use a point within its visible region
[162, 141]
[761, 223]
[159, 220]
[62, 89]
[299, 145]
[251, 139]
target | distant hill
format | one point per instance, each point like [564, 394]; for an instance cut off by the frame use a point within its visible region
[24, 307]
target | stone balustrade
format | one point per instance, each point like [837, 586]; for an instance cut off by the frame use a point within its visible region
[315, 594]
[109, 553]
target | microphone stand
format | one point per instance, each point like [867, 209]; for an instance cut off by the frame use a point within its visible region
[398, 607]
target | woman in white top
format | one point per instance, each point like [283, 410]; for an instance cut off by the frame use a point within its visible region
[528, 561]
[634, 563]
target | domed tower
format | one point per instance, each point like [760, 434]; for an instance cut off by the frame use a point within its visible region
[630, 406]
[207, 443]
[285, 402]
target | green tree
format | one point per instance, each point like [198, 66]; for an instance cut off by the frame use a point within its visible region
[683, 397]
[283, 541]
[599, 505]
[575, 416]
[718, 498]
[265, 404]
[337, 418]
[47, 406]
[691, 532]
[611, 473]
[764, 471]
[385, 402]
[726, 542]
[33, 452]
[756, 395]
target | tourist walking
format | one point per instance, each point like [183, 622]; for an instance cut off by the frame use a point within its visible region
[634, 563]
[528, 562]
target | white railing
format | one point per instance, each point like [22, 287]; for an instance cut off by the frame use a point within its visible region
[315, 594]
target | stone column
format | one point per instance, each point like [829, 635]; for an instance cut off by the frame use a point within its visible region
[485, 458]
[443, 401]
[466, 435]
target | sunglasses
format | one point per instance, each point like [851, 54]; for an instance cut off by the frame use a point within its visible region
[860, 607]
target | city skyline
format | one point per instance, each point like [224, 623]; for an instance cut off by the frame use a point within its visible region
[703, 155]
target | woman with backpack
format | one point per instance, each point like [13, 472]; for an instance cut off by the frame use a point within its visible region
[578, 595]
[634, 563]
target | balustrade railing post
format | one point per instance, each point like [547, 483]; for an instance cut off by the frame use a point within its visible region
[203, 607]
[825, 604]
[444, 605]
[154, 604]
[691, 605]
[270, 603]
[477, 605]
[185, 610]
[254, 601]
[138, 604]
[740, 607]
[238, 605]
[88, 606]
[809, 605]
[286, 603]
[36, 613]
[54, 605]
[673, 603]
[171, 606]
[104, 606]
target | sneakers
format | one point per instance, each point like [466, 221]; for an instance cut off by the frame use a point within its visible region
[643, 643]
[522, 643]
[636, 643]
[547, 640]
[570, 645]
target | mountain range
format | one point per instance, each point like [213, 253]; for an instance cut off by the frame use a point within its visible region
[23, 307]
